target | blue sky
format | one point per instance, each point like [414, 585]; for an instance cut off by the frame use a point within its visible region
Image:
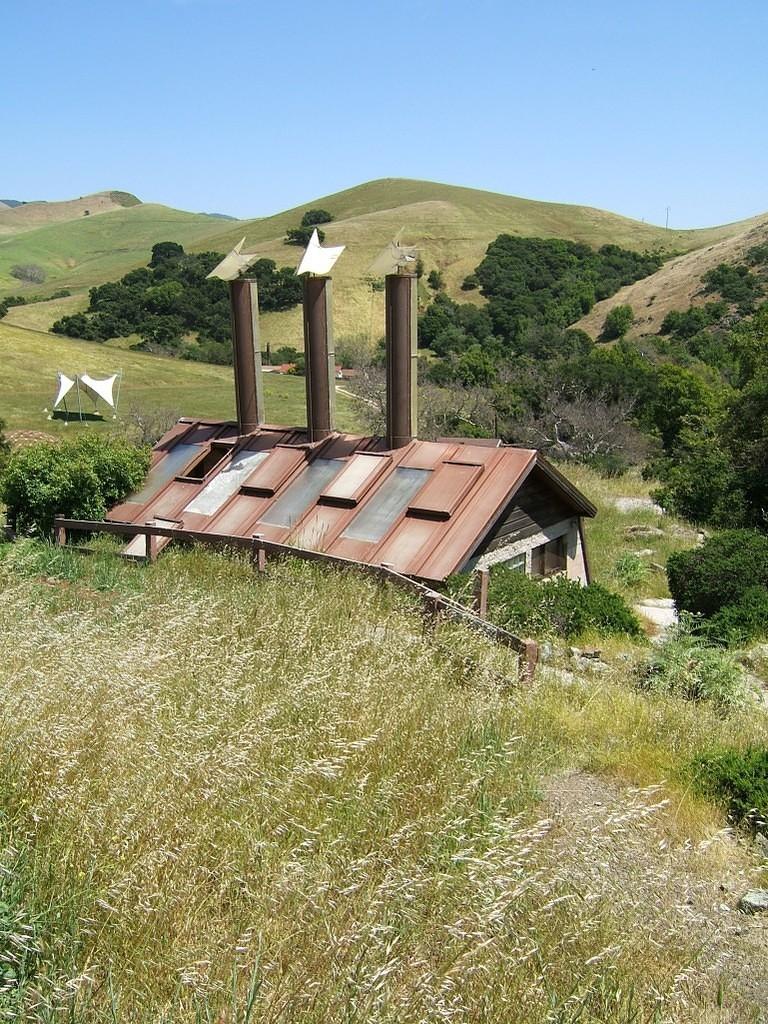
[248, 107]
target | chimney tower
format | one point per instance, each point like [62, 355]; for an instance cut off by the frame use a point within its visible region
[319, 356]
[401, 329]
[246, 346]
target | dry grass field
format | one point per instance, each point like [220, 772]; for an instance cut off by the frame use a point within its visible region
[281, 798]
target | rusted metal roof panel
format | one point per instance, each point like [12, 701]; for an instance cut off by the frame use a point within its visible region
[424, 507]
[281, 463]
[449, 483]
[357, 477]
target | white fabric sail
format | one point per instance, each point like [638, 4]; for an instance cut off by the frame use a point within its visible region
[102, 389]
[65, 386]
[318, 259]
[234, 263]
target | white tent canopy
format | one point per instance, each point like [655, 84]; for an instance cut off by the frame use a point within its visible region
[105, 388]
[65, 386]
[102, 389]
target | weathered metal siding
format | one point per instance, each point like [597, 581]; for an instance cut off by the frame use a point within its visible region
[535, 507]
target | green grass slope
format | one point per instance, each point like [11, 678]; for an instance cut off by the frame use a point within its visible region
[90, 250]
[30, 359]
[27, 216]
[228, 797]
[452, 226]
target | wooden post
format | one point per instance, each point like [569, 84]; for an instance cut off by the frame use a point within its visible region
[529, 657]
[258, 554]
[150, 543]
[480, 592]
[60, 536]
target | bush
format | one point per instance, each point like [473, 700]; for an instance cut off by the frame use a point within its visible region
[5, 447]
[312, 217]
[630, 570]
[738, 778]
[558, 607]
[80, 479]
[739, 624]
[685, 665]
[719, 573]
[31, 272]
[617, 322]
[301, 236]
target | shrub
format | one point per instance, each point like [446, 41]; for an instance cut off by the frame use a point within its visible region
[738, 778]
[685, 665]
[80, 479]
[558, 607]
[301, 236]
[719, 573]
[738, 624]
[5, 447]
[617, 322]
[312, 217]
[31, 272]
[630, 570]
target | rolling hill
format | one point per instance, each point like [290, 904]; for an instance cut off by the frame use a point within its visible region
[451, 225]
[676, 285]
[16, 216]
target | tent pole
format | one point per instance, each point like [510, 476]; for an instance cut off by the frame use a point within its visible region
[79, 403]
[117, 396]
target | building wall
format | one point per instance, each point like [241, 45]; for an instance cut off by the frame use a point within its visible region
[536, 515]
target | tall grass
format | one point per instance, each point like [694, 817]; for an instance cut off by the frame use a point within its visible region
[284, 798]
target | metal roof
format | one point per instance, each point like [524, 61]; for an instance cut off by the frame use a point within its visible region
[423, 508]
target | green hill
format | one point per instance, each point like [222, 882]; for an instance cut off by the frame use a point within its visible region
[16, 217]
[31, 358]
[79, 253]
[451, 225]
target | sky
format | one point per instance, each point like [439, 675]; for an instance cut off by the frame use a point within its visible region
[247, 107]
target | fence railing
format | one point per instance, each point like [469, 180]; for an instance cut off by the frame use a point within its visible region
[433, 602]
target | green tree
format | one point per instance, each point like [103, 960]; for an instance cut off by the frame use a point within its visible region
[80, 479]
[301, 236]
[165, 252]
[436, 281]
[617, 322]
[312, 217]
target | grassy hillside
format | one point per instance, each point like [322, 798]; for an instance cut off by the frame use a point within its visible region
[90, 250]
[676, 285]
[27, 216]
[451, 225]
[30, 360]
[228, 798]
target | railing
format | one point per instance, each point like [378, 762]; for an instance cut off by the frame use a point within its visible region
[433, 602]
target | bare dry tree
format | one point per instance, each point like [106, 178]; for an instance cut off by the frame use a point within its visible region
[575, 425]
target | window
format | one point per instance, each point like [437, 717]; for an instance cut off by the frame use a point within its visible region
[550, 558]
[167, 468]
[517, 562]
[302, 493]
[388, 502]
[225, 483]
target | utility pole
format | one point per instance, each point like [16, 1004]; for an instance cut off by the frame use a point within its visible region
[666, 223]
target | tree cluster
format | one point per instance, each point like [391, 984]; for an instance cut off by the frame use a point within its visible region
[174, 307]
[309, 221]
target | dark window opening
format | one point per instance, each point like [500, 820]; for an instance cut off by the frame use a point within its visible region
[550, 558]
[204, 465]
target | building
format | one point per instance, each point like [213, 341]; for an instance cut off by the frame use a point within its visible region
[428, 509]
